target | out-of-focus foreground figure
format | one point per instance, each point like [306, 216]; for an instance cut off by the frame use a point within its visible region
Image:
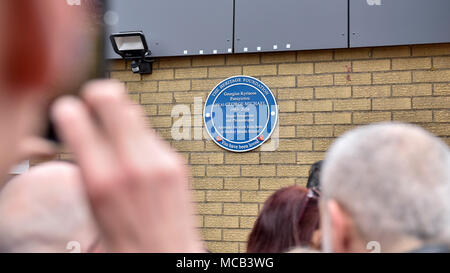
[38, 55]
[386, 185]
[45, 209]
[136, 184]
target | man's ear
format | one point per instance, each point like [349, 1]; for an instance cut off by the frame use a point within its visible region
[341, 227]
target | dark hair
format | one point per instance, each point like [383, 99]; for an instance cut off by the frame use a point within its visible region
[314, 175]
[288, 219]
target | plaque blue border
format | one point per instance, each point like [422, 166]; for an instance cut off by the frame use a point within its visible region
[270, 122]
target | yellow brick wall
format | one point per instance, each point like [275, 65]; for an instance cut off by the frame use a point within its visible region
[321, 95]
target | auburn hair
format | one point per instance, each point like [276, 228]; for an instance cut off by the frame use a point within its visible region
[288, 218]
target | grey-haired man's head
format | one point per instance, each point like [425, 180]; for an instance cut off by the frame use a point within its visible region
[387, 182]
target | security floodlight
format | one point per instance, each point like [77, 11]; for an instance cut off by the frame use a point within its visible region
[131, 45]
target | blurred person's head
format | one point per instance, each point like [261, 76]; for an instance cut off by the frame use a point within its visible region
[314, 175]
[388, 183]
[44, 209]
[39, 54]
[289, 218]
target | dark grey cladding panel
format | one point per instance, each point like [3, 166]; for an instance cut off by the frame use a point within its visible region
[176, 27]
[399, 22]
[194, 27]
[280, 25]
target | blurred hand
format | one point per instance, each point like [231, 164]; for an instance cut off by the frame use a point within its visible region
[137, 186]
[34, 147]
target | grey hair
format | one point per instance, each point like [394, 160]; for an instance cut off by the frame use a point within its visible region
[394, 181]
[44, 209]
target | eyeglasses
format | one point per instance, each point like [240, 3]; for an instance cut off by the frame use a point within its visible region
[312, 195]
[313, 192]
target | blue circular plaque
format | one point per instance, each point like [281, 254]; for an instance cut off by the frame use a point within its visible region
[240, 113]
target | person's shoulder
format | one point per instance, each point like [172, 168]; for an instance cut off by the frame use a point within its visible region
[438, 248]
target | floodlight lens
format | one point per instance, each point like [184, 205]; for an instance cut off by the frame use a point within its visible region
[125, 43]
